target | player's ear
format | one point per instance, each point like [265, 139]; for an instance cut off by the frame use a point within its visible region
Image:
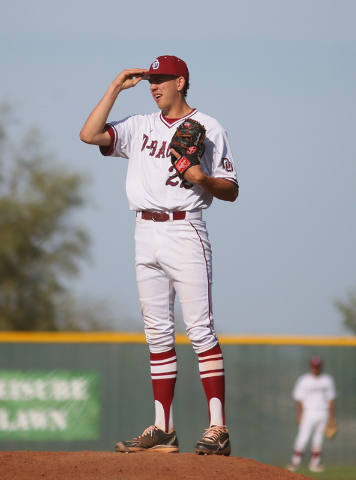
[180, 83]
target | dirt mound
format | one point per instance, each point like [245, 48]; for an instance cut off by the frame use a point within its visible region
[26, 465]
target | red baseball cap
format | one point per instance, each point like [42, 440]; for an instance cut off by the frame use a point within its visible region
[316, 361]
[168, 65]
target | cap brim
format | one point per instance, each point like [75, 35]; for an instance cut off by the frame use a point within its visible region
[147, 76]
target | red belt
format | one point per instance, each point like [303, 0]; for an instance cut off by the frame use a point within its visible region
[162, 216]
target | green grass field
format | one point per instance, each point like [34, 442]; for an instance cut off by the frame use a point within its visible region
[331, 473]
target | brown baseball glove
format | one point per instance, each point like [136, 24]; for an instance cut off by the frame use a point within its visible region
[331, 428]
[188, 143]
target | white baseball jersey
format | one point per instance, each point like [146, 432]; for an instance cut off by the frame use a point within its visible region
[151, 183]
[315, 392]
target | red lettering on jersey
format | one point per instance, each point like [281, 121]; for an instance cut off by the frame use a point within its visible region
[162, 152]
[145, 140]
[152, 147]
[185, 184]
[168, 153]
[173, 180]
[169, 180]
[227, 165]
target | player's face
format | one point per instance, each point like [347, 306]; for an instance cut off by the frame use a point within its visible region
[315, 370]
[164, 89]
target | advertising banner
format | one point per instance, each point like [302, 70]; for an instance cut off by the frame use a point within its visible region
[56, 405]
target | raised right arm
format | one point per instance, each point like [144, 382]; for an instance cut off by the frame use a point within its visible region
[93, 131]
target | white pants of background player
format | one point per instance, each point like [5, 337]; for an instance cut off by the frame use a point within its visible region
[312, 425]
[175, 257]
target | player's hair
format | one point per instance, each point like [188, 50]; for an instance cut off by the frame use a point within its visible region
[185, 88]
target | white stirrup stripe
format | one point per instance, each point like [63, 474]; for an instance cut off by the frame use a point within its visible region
[212, 374]
[213, 365]
[162, 376]
[171, 367]
[209, 357]
[166, 360]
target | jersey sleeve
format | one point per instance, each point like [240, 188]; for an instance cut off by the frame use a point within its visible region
[120, 134]
[218, 148]
[298, 393]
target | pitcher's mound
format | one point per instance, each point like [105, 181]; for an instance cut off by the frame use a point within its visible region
[26, 465]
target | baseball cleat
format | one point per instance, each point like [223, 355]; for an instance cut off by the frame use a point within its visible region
[215, 441]
[292, 468]
[152, 439]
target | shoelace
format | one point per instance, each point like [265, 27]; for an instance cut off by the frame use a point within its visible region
[148, 431]
[213, 432]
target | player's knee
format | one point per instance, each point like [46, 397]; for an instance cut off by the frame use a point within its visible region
[201, 345]
[160, 343]
[160, 348]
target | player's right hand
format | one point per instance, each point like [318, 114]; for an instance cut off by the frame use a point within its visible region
[129, 78]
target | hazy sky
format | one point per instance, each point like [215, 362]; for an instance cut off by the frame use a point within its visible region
[279, 76]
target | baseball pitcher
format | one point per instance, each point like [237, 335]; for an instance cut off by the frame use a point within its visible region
[179, 159]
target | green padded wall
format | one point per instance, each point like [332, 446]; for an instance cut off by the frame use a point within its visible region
[260, 412]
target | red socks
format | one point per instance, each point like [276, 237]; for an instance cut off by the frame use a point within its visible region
[211, 368]
[164, 375]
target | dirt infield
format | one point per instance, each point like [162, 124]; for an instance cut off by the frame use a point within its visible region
[26, 465]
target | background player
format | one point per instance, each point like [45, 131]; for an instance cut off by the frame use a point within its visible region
[173, 252]
[314, 393]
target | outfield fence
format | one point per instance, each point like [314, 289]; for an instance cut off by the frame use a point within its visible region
[86, 391]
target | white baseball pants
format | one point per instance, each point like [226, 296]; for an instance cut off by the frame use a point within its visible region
[175, 257]
[312, 425]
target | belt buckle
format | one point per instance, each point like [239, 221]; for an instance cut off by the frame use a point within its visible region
[160, 216]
